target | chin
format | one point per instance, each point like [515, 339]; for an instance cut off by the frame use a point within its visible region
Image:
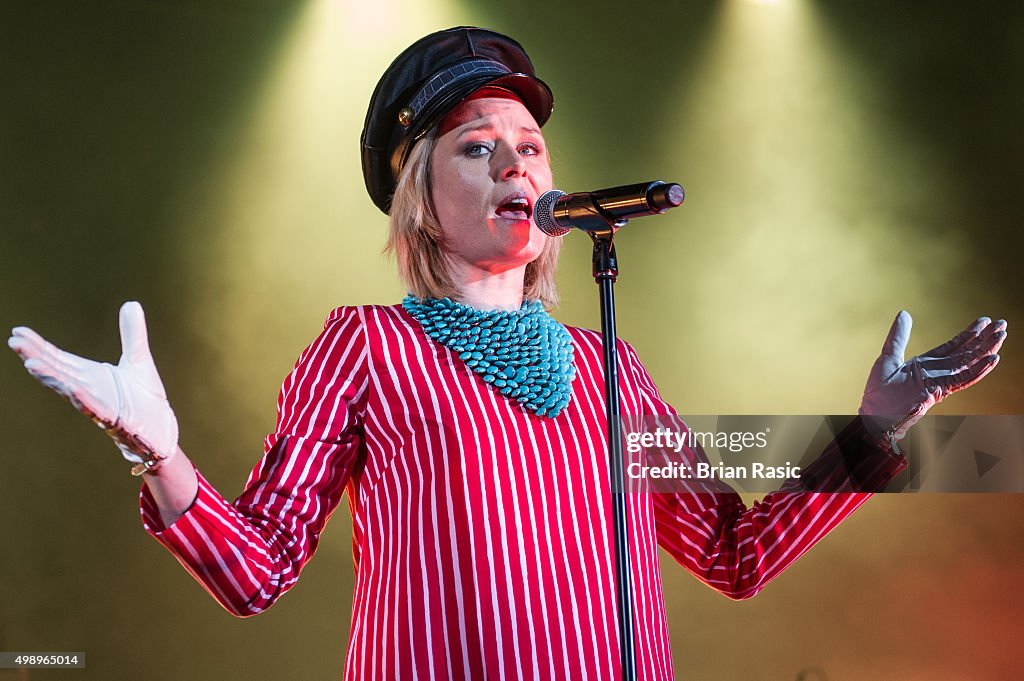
[511, 258]
[530, 246]
[519, 243]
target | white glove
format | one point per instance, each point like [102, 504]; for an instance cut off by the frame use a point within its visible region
[127, 400]
[899, 393]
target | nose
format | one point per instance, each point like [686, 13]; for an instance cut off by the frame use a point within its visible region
[511, 164]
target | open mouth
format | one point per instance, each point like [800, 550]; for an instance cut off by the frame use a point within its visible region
[514, 207]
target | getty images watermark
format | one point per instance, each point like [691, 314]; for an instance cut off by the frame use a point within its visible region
[686, 443]
[762, 454]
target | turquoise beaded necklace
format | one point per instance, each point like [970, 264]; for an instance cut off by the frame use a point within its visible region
[524, 354]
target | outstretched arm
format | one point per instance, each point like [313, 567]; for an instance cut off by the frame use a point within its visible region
[245, 554]
[738, 550]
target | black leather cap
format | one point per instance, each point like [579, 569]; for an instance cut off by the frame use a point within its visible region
[426, 82]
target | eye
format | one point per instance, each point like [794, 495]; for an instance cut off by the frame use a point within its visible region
[529, 149]
[477, 149]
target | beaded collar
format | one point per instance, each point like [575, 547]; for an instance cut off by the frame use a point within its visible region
[524, 354]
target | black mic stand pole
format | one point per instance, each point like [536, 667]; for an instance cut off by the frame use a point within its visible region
[606, 270]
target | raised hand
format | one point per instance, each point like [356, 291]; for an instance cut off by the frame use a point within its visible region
[898, 393]
[127, 400]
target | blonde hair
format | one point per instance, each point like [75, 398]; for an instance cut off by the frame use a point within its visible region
[415, 238]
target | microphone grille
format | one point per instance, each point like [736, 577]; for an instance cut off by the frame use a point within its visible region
[544, 215]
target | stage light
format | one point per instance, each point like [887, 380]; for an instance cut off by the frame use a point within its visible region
[296, 234]
[797, 188]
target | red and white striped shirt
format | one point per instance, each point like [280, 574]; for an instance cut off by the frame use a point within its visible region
[482, 535]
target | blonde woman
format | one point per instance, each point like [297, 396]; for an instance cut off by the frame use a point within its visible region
[465, 424]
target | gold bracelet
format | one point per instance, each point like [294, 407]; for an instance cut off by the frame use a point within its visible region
[893, 447]
[126, 441]
[148, 465]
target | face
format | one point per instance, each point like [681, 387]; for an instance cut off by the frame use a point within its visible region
[487, 169]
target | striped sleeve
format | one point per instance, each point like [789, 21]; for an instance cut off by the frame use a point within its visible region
[737, 550]
[247, 554]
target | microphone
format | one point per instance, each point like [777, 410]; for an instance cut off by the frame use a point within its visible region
[556, 212]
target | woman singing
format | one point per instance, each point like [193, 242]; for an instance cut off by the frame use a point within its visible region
[466, 424]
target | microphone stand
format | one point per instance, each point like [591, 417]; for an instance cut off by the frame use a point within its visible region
[605, 270]
[600, 214]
